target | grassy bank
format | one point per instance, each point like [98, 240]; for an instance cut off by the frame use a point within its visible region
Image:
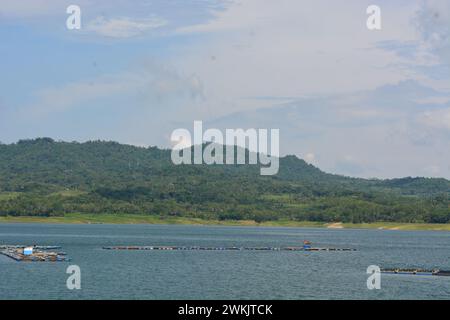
[75, 218]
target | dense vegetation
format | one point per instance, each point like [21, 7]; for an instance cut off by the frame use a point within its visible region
[42, 177]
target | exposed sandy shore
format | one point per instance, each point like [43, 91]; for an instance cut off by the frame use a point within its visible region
[337, 225]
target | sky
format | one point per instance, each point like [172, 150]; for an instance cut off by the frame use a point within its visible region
[352, 101]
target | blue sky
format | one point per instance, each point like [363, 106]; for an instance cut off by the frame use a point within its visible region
[349, 100]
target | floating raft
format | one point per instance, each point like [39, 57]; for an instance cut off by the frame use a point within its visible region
[417, 272]
[4, 247]
[176, 248]
[38, 254]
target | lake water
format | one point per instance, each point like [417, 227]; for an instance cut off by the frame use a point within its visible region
[223, 274]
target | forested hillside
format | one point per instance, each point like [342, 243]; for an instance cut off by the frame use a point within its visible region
[47, 178]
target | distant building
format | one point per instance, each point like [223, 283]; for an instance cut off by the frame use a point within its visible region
[28, 251]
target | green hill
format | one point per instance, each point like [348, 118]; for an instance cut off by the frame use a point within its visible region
[42, 177]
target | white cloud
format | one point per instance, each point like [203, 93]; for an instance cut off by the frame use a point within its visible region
[438, 119]
[427, 54]
[323, 50]
[152, 82]
[184, 143]
[139, 106]
[310, 158]
[383, 133]
[124, 27]
[432, 170]
[433, 22]
[293, 48]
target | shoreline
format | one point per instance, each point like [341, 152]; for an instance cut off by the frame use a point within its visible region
[75, 218]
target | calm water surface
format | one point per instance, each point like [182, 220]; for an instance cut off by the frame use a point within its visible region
[224, 274]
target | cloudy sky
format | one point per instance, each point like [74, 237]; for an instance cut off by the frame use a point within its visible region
[346, 99]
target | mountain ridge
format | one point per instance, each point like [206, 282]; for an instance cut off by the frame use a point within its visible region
[45, 177]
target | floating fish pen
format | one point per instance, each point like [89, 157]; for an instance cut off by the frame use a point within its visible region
[33, 254]
[184, 248]
[5, 247]
[417, 272]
